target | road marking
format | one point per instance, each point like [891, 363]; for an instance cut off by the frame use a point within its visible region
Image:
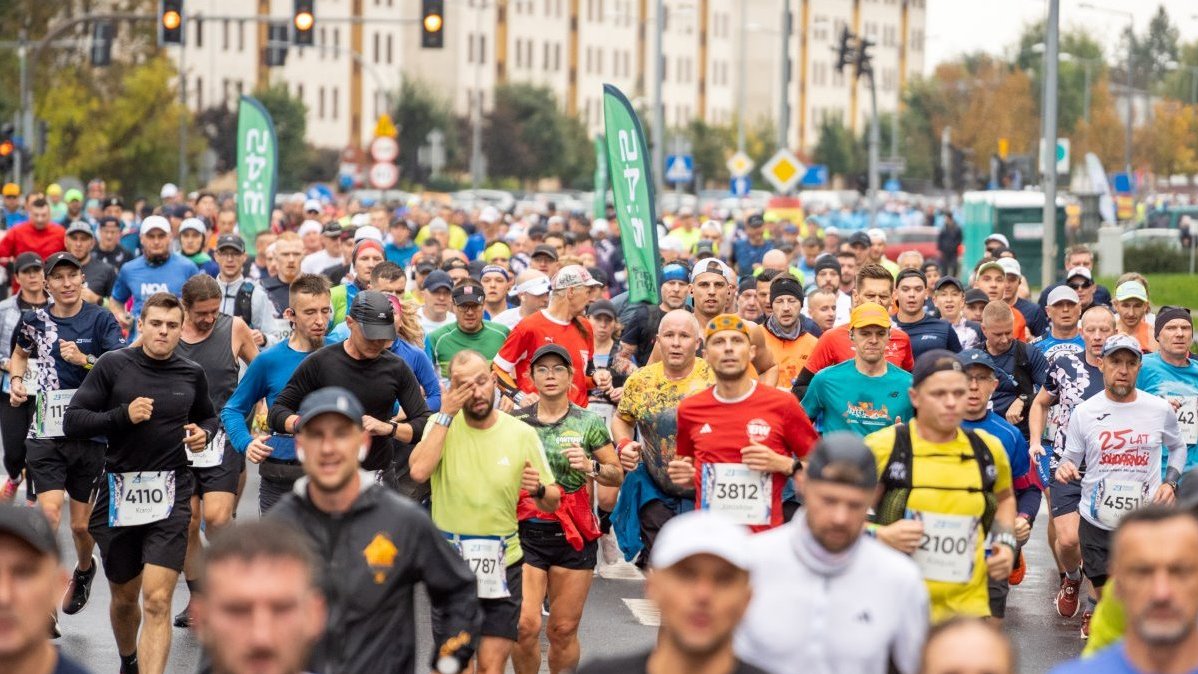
[645, 611]
[620, 571]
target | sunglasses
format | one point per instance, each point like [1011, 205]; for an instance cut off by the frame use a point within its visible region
[1081, 286]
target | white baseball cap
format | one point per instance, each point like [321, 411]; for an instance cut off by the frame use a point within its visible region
[154, 222]
[714, 266]
[193, 224]
[312, 205]
[701, 532]
[1063, 293]
[309, 227]
[368, 232]
[489, 215]
[534, 286]
[999, 238]
[1010, 266]
[169, 191]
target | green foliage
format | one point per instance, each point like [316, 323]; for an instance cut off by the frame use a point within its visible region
[1159, 258]
[1154, 50]
[419, 110]
[121, 123]
[711, 147]
[290, 117]
[836, 148]
[527, 137]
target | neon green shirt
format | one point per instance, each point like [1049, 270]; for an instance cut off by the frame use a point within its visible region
[477, 483]
[1108, 623]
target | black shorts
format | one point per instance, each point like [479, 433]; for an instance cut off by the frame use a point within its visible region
[224, 477]
[126, 550]
[653, 516]
[501, 617]
[1096, 550]
[1064, 498]
[545, 545]
[57, 464]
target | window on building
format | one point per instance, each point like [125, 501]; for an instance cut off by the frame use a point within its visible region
[199, 24]
[545, 56]
[557, 57]
[324, 40]
[482, 49]
[336, 102]
[320, 104]
[470, 48]
[390, 44]
[224, 35]
[240, 36]
[376, 47]
[336, 41]
[299, 92]
[199, 93]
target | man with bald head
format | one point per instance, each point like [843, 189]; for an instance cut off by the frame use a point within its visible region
[649, 405]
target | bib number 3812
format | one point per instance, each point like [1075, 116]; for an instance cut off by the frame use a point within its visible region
[947, 548]
[140, 497]
[738, 492]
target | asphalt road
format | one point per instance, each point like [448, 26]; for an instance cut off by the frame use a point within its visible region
[614, 622]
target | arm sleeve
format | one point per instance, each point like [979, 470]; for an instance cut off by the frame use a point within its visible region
[800, 434]
[908, 354]
[21, 335]
[632, 392]
[411, 399]
[513, 350]
[241, 403]
[597, 435]
[428, 349]
[120, 289]
[803, 381]
[7, 244]
[821, 356]
[288, 400]
[264, 315]
[426, 373]
[451, 589]
[110, 333]
[85, 416]
[202, 413]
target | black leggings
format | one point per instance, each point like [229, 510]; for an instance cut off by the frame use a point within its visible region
[14, 425]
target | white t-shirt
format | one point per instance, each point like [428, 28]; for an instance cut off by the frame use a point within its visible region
[429, 325]
[314, 263]
[508, 317]
[1121, 444]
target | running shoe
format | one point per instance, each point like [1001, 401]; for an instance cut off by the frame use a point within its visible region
[1086, 625]
[184, 617]
[9, 491]
[1067, 598]
[79, 589]
[1019, 571]
[54, 631]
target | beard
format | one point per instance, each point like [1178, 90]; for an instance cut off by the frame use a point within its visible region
[469, 411]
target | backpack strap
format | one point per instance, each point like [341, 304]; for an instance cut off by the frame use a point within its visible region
[989, 473]
[896, 478]
[243, 304]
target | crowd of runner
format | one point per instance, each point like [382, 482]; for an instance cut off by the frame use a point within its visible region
[823, 459]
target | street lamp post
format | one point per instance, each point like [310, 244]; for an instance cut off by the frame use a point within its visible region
[1048, 242]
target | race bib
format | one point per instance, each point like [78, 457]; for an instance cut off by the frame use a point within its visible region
[485, 556]
[213, 454]
[140, 497]
[30, 377]
[1187, 419]
[50, 410]
[947, 548]
[738, 492]
[1115, 498]
[605, 410]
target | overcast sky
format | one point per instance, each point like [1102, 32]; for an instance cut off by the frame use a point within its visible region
[958, 26]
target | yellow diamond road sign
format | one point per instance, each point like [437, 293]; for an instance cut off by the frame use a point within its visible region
[783, 170]
[739, 164]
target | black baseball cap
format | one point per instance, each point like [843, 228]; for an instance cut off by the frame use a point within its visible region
[931, 362]
[230, 241]
[910, 273]
[332, 229]
[109, 220]
[330, 399]
[454, 263]
[113, 201]
[438, 280]
[976, 295]
[602, 308]
[61, 258]
[859, 239]
[951, 281]
[27, 260]
[826, 262]
[545, 249]
[552, 350]
[31, 526]
[81, 226]
[373, 311]
[844, 458]
[467, 293]
[756, 220]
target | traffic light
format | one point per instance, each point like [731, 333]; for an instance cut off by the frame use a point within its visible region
[432, 24]
[276, 44]
[844, 51]
[170, 22]
[8, 148]
[864, 60]
[101, 51]
[304, 21]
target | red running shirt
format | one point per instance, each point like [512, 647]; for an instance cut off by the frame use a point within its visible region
[713, 431]
[537, 330]
[835, 347]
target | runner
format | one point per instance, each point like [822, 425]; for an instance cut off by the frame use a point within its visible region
[288, 253]
[151, 404]
[99, 276]
[14, 421]
[873, 284]
[367, 255]
[648, 411]
[66, 338]
[1173, 375]
[251, 569]
[220, 344]
[375, 547]
[30, 564]
[739, 442]
[640, 324]
[242, 297]
[784, 334]
[827, 277]
[108, 246]
[819, 577]
[378, 378]
[1131, 303]
[562, 322]
[438, 298]
[1026, 367]
[1071, 379]
[1034, 316]
[943, 520]
[1119, 435]
[867, 393]
[991, 278]
[496, 282]
[748, 306]
[965, 644]
[469, 331]
[480, 463]
[948, 295]
[983, 376]
[700, 584]
[532, 290]
[925, 331]
[1063, 315]
[821, 305]
[156, 270]
[560, 548]
[265, 378]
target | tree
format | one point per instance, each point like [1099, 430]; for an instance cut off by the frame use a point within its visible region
[527, 137]
[1168, 144]
[1079, 52]
[1182, 83]
[710, 146]
[290, 117]
[1104, 133]
[419, 110]
[218, 125]
[121, 123]
[836, 147]
[1153, 51]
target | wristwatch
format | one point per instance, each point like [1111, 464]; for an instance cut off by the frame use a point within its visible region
[394, 427]
[595, 465]
[91, 362]
[540, 492]
[442, 419]
[1004, 538]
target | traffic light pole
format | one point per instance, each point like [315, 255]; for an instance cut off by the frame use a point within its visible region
[875, 140]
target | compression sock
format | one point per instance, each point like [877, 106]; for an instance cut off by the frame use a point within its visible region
[193, 586]
[604, 521]
[129, 664]
[1075, 574]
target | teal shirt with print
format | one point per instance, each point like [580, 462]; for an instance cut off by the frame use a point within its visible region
[840, 398]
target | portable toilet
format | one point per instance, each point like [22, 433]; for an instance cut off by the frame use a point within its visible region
[1017, 215]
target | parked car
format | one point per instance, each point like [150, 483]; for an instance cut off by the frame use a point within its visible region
[1152, 236]
[921, 238]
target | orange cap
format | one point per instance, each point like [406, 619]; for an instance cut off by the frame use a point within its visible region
[12, 190]
[869, 313]
[726, 322]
